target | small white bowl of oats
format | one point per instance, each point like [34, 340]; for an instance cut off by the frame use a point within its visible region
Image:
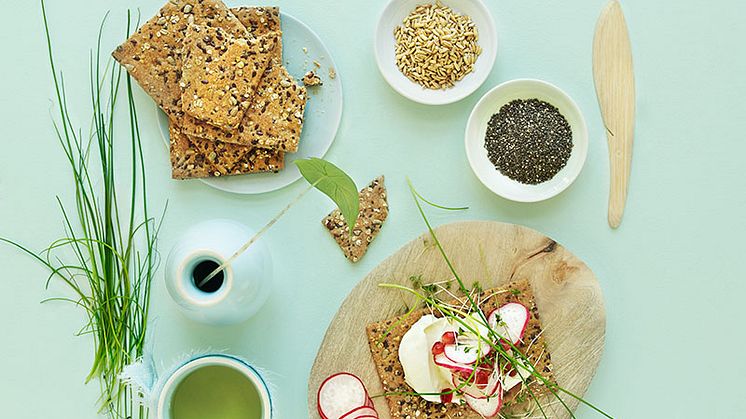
[435, 52]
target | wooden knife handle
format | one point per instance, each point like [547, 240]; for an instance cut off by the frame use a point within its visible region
[620, 163]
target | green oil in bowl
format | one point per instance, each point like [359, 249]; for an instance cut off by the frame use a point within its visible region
[216, 392]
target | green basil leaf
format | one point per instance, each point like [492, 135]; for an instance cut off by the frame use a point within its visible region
[335, 183]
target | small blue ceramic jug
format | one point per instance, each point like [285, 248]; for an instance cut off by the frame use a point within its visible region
[232, 296]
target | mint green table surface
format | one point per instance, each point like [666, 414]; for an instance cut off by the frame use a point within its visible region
[673, 275]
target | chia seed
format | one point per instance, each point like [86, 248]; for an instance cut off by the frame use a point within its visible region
[528, 141]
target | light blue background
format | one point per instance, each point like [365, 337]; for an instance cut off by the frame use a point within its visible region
[673, 274]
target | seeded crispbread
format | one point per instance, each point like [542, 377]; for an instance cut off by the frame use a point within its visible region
[276, 121]
[153, 54]
[384, 338]
[374, 209]
[198, 158]
[220, 73]
[261, 21]
[274, 118]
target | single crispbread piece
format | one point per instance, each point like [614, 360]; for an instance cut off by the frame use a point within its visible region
[261, 21]
[198, 158]
[384, 338]
[274, 118]
[374, 209]
[153, 54]
[220, 73]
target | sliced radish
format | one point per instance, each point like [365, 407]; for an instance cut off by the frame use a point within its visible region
[340, 394]
[476, 389]
[479, 345]
[514, 374]
[510, 321]
[442, 361]
[461, 354]
[360, 412]
[488, 407]
[510, 381]
[369, 402]
[476, 335]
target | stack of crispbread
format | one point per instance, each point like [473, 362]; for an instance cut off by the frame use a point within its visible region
[384, 338]
[218, 75]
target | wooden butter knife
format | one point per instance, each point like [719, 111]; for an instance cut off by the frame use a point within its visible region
[615, 86]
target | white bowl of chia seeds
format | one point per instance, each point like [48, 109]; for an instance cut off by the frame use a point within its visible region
[435, 52]
[526, 140]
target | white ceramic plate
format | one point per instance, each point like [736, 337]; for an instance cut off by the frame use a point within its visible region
[490, 104]
[393, 15]
[322, 115]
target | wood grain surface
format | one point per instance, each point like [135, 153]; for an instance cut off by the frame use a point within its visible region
[615, 86]
[568, 297]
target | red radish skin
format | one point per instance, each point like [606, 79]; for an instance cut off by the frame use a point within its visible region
[362, 411]
[441, 361]
[448, 338]
[339, 394]
[489, 407]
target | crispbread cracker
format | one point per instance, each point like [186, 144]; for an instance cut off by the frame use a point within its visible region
[198, 158]
[153, 54]
[275, 121]
[220, 73]
[384, 338]
[274, 118]
[260, 21]
[374, 209]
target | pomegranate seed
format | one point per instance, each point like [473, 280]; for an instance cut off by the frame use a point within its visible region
[446, 398]
[448, 338]
[438, 348]
[483, 377]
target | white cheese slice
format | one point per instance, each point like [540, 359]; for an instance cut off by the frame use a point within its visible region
[414, 355]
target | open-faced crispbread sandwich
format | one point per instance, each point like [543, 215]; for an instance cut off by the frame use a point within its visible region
[449, 360]
[218, 75]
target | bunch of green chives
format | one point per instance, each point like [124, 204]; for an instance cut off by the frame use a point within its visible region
[107, 256]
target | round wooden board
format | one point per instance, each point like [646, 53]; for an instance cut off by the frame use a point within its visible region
[567, 295]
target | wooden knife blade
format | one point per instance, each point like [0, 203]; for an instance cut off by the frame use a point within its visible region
[615, 87]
